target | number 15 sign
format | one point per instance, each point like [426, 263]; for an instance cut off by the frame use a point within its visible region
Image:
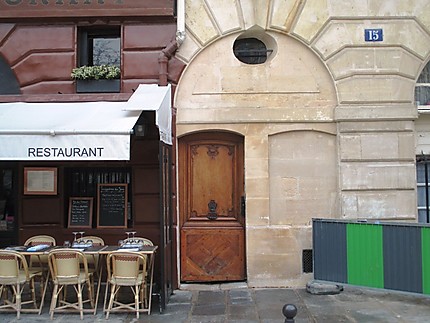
[373, 35]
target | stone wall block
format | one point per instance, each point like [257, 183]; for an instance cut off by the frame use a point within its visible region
[256, 146]
[274, 254]
[283, 14]
[225, 13]
[371, 176]
[188, 49]
[406, 146]
[199, 21]
[365, 112]
[257, 187]
[375, 89]
[350, 147]
[312, 18]
[257, 211]
[379, 146]
[383, 60]
[256, 168]
[381, 205]
[380, 126]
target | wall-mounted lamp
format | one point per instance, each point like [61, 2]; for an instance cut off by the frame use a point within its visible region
[139, 130]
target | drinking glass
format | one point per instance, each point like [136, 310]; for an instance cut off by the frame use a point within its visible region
[66, 244]
[75, 233]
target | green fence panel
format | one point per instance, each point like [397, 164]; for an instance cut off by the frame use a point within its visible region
[364, 255]
[425, 247]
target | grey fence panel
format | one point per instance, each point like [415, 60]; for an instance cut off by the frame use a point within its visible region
[329, 244]
[402, 258]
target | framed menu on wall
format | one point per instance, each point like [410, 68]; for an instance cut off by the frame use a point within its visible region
[40, 180]
[80, 212]
[112, 205]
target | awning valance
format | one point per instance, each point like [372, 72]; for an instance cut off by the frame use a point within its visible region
[80, 130]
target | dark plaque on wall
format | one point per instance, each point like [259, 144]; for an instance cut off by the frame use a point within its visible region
[112, 205]
[80, 212]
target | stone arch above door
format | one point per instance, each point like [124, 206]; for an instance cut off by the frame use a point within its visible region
[292, 86]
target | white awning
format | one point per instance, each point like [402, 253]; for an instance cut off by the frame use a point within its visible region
[80, 130]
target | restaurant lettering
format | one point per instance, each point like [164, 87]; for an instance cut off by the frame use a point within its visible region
[64, 152]
[59, 2]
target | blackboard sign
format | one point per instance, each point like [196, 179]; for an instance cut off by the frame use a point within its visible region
[112, 205]
[80, 212]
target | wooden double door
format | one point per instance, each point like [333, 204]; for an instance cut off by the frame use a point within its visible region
[212, 207]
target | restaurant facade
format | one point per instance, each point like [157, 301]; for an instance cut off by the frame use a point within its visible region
[82, 160]
[279, 112]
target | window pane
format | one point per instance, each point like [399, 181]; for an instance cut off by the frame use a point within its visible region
[250, 51]
[420, 173]
[422, 95]
[421, 192]
[106, 51]
[425, 75]
[422, 216]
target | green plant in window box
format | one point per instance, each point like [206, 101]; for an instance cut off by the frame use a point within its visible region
[97, 72]
[97, 79]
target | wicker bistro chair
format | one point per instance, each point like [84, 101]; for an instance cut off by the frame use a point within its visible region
[144, 242]
[69, 267]
[40, 262]
[14, 276]
[126, 268]
[93, 259]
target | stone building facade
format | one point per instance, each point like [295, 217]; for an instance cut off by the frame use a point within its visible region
[327, 121]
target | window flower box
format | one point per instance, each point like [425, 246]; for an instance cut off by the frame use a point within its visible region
[97, 86]
[97, 79]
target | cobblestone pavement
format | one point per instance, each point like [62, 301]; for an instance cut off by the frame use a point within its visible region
[237, 303]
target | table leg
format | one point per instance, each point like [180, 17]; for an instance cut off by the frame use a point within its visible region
[151, 275]
[44, 291]
[100, 273]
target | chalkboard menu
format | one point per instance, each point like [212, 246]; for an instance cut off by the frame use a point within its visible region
[112, 205]
[80, 212]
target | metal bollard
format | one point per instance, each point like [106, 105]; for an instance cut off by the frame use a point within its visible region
[289, 311]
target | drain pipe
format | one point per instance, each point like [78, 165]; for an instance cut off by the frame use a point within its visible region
[180, 21]
[167, 52]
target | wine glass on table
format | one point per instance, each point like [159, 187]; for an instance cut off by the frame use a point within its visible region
[75, 234]
[133, 233]
[82, 235]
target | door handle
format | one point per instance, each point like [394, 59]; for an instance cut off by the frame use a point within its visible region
[243, 206]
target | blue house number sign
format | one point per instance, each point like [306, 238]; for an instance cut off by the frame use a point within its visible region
[373, 35]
